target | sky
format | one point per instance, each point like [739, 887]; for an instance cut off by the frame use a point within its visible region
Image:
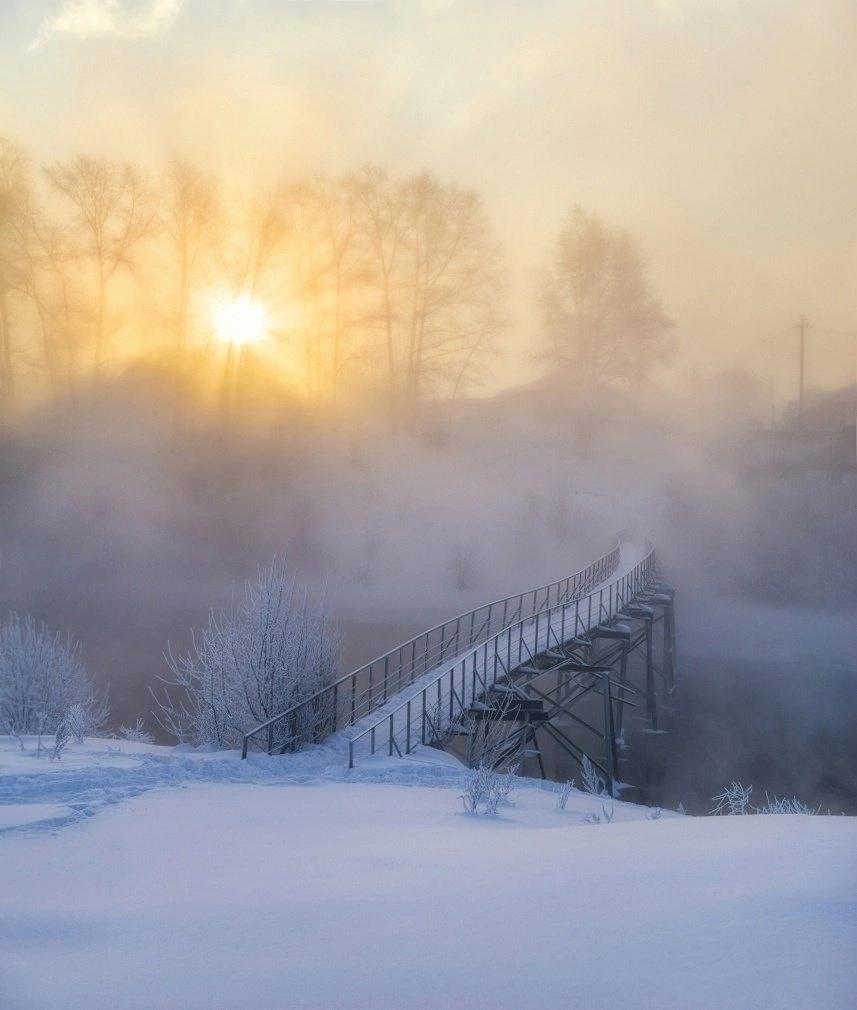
[721, 133]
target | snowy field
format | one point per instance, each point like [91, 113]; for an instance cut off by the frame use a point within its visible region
[137, 876]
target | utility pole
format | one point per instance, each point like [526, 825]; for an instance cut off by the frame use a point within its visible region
[802, 326]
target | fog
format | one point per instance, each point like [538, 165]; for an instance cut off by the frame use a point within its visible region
[125, 517]
[720, 134]
[713, 151]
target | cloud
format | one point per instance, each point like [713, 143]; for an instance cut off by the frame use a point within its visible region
[84, 19]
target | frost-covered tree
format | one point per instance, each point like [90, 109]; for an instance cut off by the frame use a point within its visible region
[43, 682]
[272, 649]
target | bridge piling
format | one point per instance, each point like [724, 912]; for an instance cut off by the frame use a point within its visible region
[651, 695]
[623, 680]
[609, 732]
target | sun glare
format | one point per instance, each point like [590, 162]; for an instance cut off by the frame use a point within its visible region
[239, 321]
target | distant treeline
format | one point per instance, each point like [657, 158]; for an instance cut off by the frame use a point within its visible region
[368, 281]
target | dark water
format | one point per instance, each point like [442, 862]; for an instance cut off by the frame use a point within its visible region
[765, 695]
[786, 728]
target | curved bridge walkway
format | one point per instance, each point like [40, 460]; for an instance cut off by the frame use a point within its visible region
[494, 681]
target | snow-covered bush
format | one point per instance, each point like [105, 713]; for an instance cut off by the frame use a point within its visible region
[485, 790]
[85, 719]
[592, 782]
[563, 795]
[271, 650]
[136, 733]
[606, 816]
[734, 799]
[43, 682]
[62, 738]
[785, 805]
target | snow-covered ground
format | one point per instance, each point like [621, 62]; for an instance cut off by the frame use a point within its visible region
[138, 876]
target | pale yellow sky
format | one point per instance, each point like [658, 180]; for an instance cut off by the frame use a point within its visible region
[721, 132]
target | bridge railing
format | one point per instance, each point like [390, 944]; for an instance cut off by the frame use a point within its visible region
[427, 715]
[359, 693]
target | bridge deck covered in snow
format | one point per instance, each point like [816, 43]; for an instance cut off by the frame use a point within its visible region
[423, 690]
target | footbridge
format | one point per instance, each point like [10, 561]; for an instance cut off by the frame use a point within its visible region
[563, 662]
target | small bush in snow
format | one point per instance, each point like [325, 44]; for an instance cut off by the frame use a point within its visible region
[606, 816]
[62, 738]
[270, 651]
[563, 795]
[592, 782]
[680, 809]
[734, 799]
[655, 814]
[136, 733]
[43, 682]
[485, 790]
[777, 805]
[86, 720]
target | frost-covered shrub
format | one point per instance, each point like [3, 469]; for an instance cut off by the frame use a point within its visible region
[592, 782]
[734, 799]
[43, 682]
[785, 805]
[606, 816]
[86, 719]
[271, 650]
[136, 733]
[563, 795]
[62, 738]
[655, 814]
[485, 790]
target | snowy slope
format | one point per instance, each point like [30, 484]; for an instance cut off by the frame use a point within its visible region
[205, 882]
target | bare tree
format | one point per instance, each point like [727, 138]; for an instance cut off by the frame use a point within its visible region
[112, 211]
[449, 305]
[13, 196]
[384, 226]
[432, 280]
[190, 217]
[45, 277]
[325, 273]
[601, 321]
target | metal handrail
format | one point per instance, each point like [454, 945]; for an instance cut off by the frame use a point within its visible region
[369, 686]
[450, 692]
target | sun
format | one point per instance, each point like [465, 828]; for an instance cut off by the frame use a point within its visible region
[239, 321]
